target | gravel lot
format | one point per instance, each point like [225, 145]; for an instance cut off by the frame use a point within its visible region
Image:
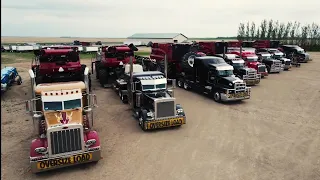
[274, 135]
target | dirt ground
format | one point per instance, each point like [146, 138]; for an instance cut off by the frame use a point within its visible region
[273, 135]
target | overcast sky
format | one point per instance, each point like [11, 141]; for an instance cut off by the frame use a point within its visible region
[122, 18]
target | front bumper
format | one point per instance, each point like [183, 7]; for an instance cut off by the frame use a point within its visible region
[286, 67]
[165, 123]
[55, 163]
[263, 74]
[275, 69]
[233, 97]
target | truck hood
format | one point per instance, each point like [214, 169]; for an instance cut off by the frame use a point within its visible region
[54, 118]
[230, 79]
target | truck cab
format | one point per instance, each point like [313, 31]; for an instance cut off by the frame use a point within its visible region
[214, 79]
[153, 102]
[248, 75]
[62, 114]
[294, 51]
[251, 61]
[273, 65]
[277, 54]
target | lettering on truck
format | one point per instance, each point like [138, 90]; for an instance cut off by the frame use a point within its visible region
[51, 163]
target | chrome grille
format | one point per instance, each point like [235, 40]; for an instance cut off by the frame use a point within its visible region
[277, 64]
[65, 141]
[252, 75]
[165, 109]
[239, 87]
[261, 68]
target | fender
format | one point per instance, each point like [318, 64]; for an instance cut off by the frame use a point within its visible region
[93, 135]
[36, 143]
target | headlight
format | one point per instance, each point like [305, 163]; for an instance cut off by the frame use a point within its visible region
[179, 111]
[90, 142]
[40, 150]
[150, 114]
[230, 84]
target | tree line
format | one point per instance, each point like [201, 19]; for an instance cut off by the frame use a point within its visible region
[306, 36]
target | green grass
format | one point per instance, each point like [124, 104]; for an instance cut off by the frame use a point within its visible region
[11, 58]
[141, 53]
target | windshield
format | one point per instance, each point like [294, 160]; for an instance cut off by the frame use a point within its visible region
[225, 73]
[252, 59]
[52, 106]
[265, 57]
[216, 61]
[238, 65]
[72, 104]
[277, 56]
[153, 87]
[147, 87]
[161, 86]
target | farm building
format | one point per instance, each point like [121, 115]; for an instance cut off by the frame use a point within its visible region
[145, 38]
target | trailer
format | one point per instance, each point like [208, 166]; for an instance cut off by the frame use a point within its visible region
[90, 49]
[24, 48]
[13, 48]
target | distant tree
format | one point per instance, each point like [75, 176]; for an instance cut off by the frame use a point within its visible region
[263, 27]
[304, 35]
[258, 34]
[281, 31]
[248, 31]
[270, 29]
[241, 32]
[252, 31]
[287, 31]
[275, 30]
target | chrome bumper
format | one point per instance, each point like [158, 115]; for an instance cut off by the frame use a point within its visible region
[231, 97]
[96, 156]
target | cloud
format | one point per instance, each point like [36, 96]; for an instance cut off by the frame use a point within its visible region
[111, 18]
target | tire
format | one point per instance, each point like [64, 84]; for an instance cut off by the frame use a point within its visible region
[143, 115]
[185, 86]
[123, 98]
[19, 80]
[268, 68]
[188, 60]
[103, 76]
[180, 83]
[97, 66]
[217, 96]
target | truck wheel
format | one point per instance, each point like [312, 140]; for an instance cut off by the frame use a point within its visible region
[217, 96]
[268, 68]
[185, 86]
[19, 80]
[103, 76]
[142, 119]
[188, 60]
[179, 83]
[123, 98]
[97, 66]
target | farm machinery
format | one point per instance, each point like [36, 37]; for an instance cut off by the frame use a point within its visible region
[152, 101]
[9, 75]
[58, 64]
[62, 114]
[108, 62]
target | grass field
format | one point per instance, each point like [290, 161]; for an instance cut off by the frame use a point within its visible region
[9, 58]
